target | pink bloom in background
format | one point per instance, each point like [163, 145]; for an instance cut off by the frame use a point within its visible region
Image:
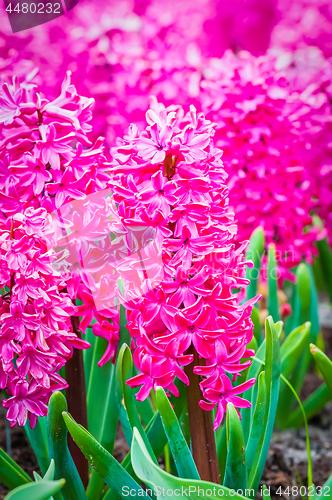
[174, 51]
[174, 317]
[304, 23]
[263, 135]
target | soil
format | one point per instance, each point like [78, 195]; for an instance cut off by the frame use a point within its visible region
[287, 458]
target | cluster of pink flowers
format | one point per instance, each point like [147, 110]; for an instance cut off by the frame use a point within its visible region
[46, 163]
[178, 198]
[35, 321]
[144, 48]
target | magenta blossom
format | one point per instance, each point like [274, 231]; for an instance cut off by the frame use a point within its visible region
[192, 307]
[224, 395]
[46, 161]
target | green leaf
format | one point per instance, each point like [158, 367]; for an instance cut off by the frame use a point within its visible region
[100, 378]
[254, 371]
[292, 348]
[258, 422]
[222, 451]
[272, 298]
[314, 306]
[108, 425]
[254, 252]
[113, 409]
[328, 484]
[255, 318]
[57, 438]
[301, 312]
[36, 491]
[236, 474]
[272, 378]
[324, 364]
[305, 309]
[11, 474]
[291, 351]
[144, 408]
[88, 353]
[119, 397]
[266, 492]
[183, 460]
[155, 433]
[124, 332]
[106, 465]
[326, 263]
[49, 476]
[129, 396]
[125, 424]
[156, 478]
[38, 441]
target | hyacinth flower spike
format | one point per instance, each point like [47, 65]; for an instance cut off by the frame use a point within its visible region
[191, 315]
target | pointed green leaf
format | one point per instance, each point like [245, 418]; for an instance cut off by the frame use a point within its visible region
[254, 252]
[36, 476]
[272, 379]
[100, 378]
[144, 408]
[291, 351]
[155, 433]
[57, 438]
[258, 422]
[38, 441]
[36, 491]
[108, 421]
[88, 353]
[324, 364]
[183, 460]
[266, 492]
[124, 332]
[106, 465]
[11, 474]
[236, 469]
[49, 476]
[222, 451]
[293, 347]
[272, 298]
[129, 396]
[328, 484]
[156, 478]
[254, 372]
[301, 312]
[326, 263]
[305, 309]
[255, 318]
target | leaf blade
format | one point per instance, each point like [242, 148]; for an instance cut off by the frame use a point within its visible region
[184, 462]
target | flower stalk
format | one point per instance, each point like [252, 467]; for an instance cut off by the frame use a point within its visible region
[203, 445]
[76, 399]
